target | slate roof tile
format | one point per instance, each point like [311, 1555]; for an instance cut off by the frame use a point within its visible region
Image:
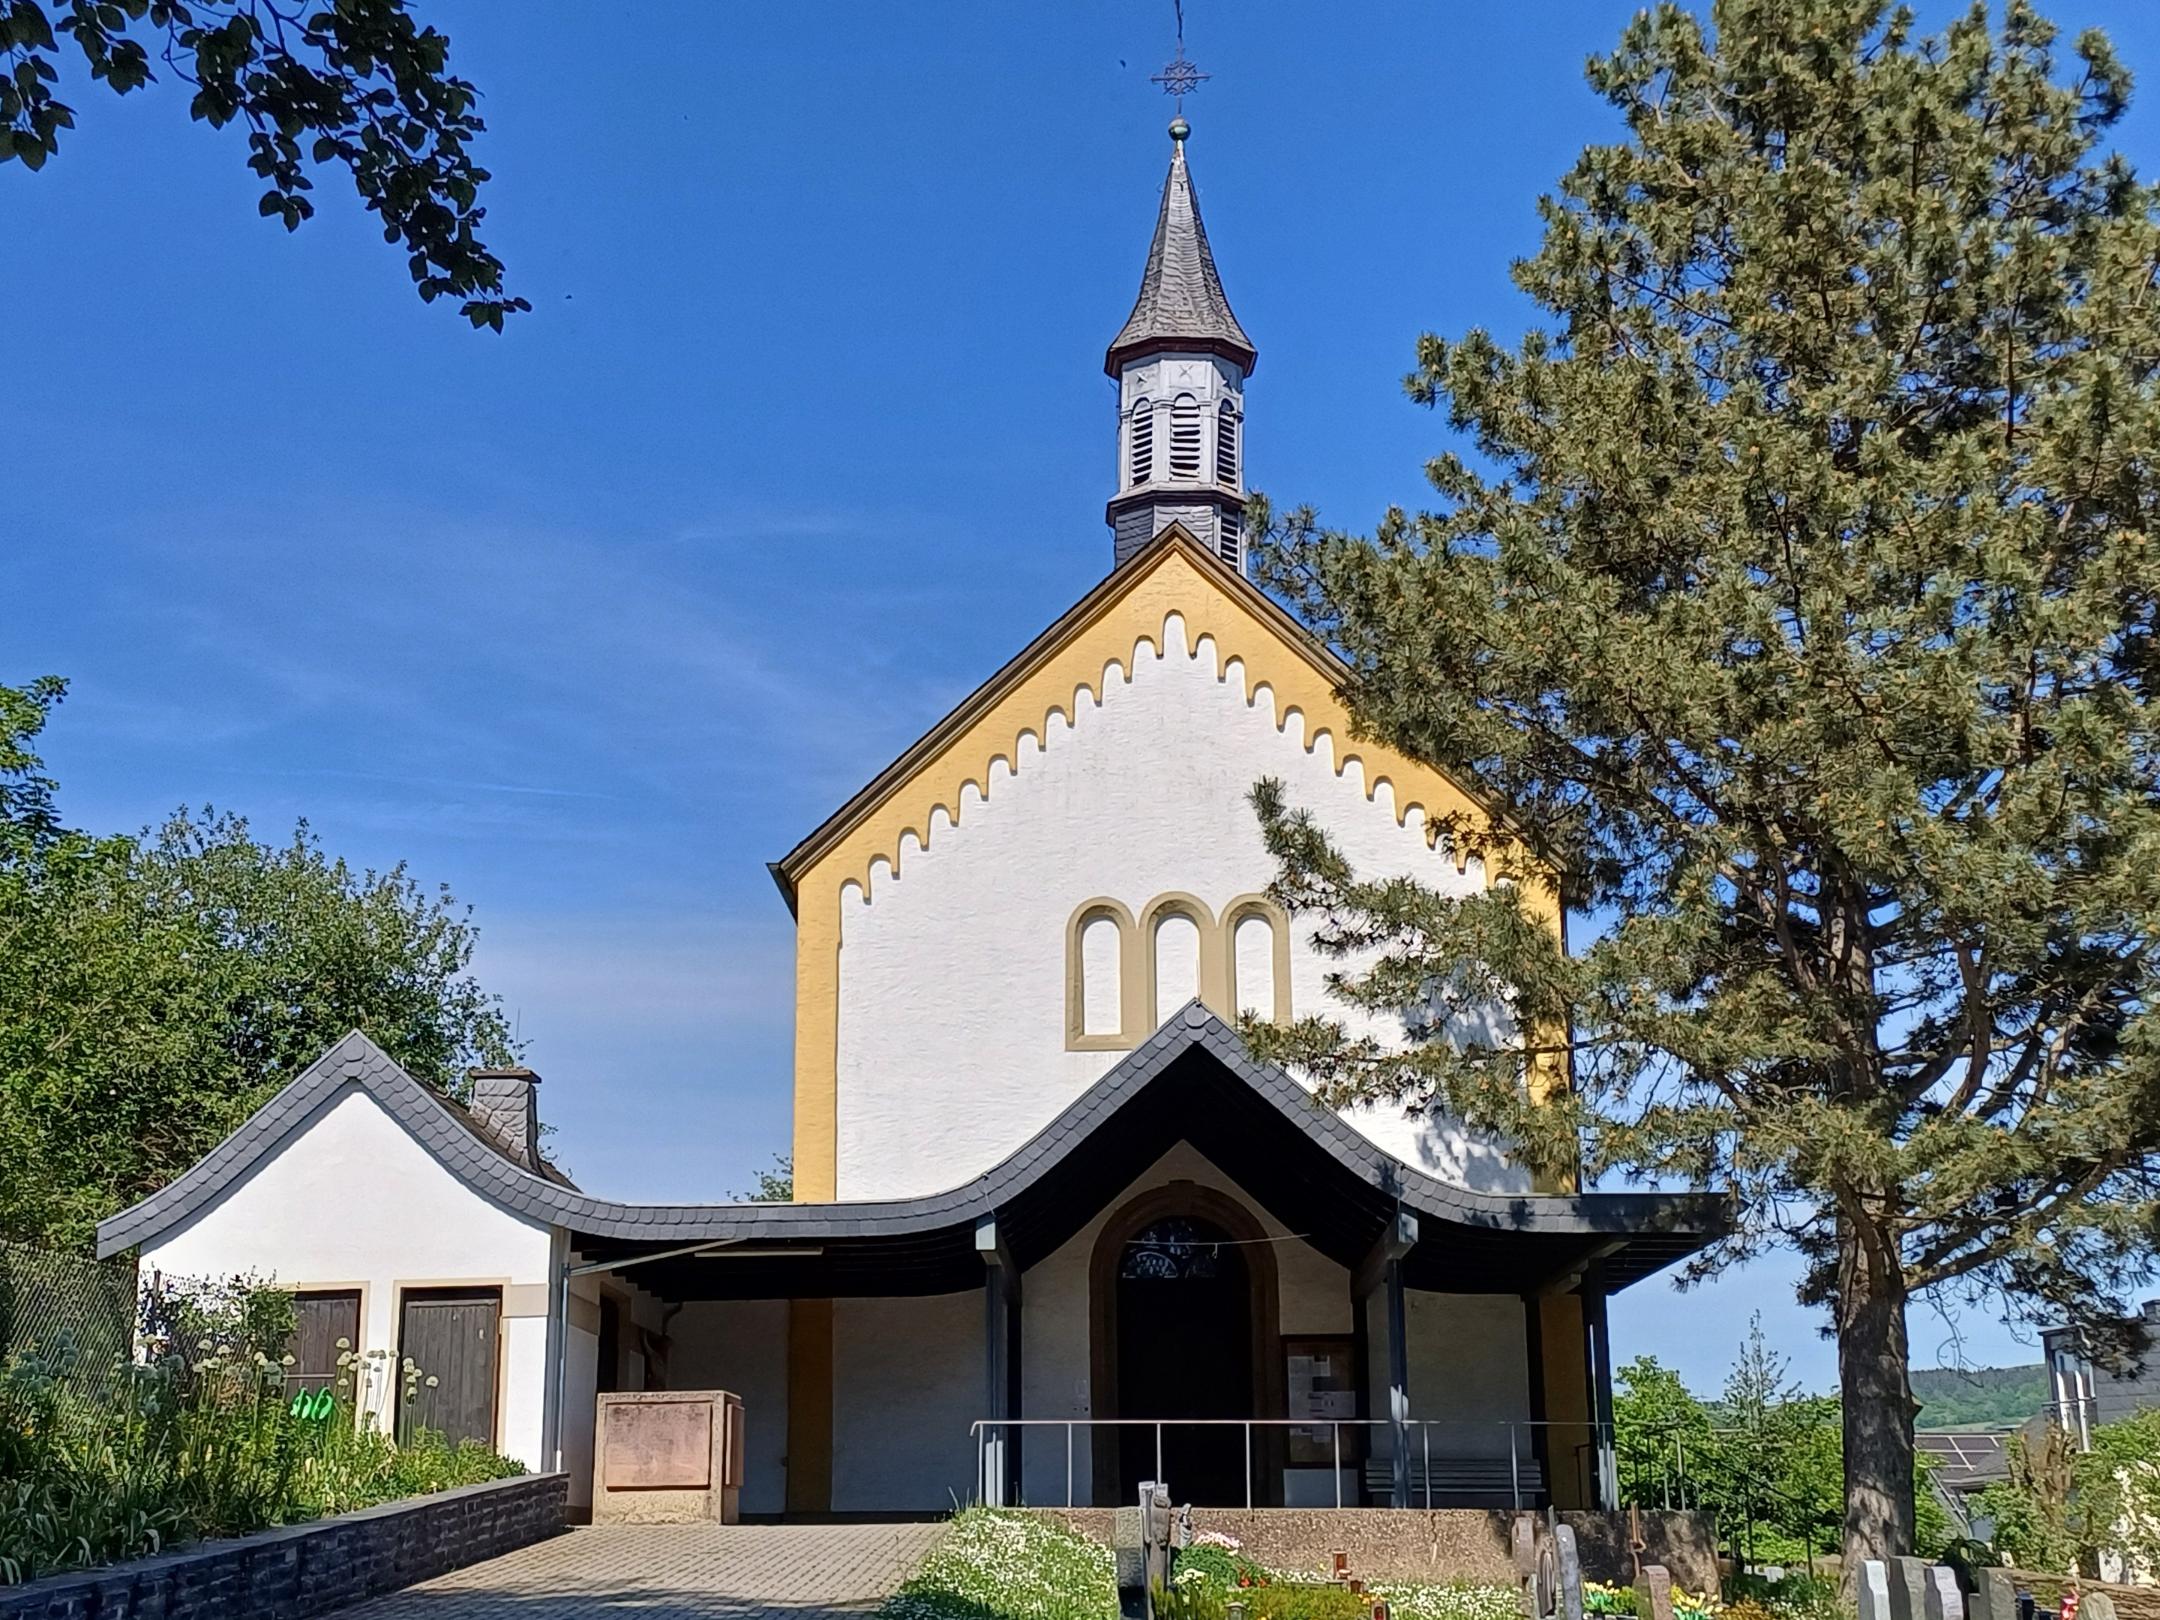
[433, 1121]
[1181, 295]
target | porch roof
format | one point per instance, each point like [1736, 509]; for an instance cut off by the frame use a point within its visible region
[1192, 1081]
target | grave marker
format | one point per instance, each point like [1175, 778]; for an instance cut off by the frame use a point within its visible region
[1874, 1590]
[1568, 1605]
[1944, 1600]
[1653, 1593]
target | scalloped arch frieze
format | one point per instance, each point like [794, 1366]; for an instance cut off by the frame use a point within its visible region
[936, 804]
[1032, 707]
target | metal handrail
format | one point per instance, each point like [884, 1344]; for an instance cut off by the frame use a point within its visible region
[1600, 1435]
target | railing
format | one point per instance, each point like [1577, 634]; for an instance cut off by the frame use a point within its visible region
[1525, 1473]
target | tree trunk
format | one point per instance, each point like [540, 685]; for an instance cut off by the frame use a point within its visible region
[1874, 1379]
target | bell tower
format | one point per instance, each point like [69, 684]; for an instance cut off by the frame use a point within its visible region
[1180, 362]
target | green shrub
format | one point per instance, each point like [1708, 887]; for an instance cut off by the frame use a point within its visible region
[200, 1441]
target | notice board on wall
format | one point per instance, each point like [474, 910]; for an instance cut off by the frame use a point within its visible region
[1320, 1381]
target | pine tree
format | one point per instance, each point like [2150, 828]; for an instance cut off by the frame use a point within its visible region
[1799, 606]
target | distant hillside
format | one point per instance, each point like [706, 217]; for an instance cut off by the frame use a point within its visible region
[1979, 1397]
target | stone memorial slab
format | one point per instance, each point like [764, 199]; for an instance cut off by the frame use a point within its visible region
[1568, 1604]
[1653, 1593]
[2096, 1606]
[667, 1457]
[1908, 1589]
[1944, 1599]
[1130, 1557]
[1994, 1596]
[656, 1446]
[1874, 1590]
[1523, 1542]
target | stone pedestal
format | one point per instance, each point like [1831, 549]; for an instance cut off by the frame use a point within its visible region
[668, 1457]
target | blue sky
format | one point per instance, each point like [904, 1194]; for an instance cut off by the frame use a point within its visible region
[807, 433]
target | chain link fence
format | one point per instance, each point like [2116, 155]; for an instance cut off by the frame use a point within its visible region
[75, 1316]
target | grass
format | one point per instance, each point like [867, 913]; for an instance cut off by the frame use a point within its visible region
[1003, 1565]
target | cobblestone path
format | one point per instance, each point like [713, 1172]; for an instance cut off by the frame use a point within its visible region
[671, 1572]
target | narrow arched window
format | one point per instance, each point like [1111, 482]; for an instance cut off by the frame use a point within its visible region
[1143, 442]
[1185, 438]
[1252, 948]
[1101, 970]
[1226, 445]
[1177, 963]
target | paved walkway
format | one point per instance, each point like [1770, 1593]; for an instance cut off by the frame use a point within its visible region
[626, 1572]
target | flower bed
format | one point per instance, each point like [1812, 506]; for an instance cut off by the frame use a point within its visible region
[1015, 1566]
[194, 1445]
[1212, 1572]
[1011, 1566]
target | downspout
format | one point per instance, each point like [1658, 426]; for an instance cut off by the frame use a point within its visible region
[558, 1351]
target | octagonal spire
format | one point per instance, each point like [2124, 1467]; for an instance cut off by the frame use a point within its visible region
[1181, 304]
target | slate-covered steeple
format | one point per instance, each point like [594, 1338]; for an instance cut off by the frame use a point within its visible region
[1181, 362]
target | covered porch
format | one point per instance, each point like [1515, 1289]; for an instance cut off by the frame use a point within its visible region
[1194, 1273]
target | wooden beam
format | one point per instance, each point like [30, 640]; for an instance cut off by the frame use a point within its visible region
[1398, 1240]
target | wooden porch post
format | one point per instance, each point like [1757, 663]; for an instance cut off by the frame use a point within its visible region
[1599, 1345]
[1000, 1484]
[1382, 1268]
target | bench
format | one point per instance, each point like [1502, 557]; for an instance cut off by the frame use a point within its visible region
[1462, 1481]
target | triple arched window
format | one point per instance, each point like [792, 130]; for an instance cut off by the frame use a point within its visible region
[1126, 975]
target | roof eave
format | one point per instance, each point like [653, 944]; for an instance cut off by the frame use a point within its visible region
[1126, 350]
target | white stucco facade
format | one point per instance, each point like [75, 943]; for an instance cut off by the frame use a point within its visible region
[952, 1044]
[349, 1200]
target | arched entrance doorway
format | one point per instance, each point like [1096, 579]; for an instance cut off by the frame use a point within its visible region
[1184, 1312]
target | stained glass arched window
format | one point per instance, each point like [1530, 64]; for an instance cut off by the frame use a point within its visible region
[1176, 1249]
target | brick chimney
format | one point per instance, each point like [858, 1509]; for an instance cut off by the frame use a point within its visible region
[506, 1105]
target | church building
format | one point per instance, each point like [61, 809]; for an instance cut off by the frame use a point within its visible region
[1055, 1229]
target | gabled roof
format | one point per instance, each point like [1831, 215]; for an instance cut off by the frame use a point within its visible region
[1181, 303]
[1192, 1080]
[1174, 542]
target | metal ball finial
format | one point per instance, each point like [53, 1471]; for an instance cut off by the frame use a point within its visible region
[1179, 129]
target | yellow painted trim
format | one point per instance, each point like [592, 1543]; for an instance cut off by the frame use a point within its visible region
[810, 1406]
[817, 1045]
[1278, 921]
[1565, 1374]
[1077, 1038]
[1551, 1073]
[1063, 670]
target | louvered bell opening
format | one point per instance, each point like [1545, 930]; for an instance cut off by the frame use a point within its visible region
[1185, 441]
[1233, 527]
[1143, 442]
[1226, 445]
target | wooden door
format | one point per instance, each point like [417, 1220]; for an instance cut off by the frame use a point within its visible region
[320, 1319]
[451, 1336]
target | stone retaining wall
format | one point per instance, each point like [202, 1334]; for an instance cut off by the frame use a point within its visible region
[305, 1569]
[1438, 1544]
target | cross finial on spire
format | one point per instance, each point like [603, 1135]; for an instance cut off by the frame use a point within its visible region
[1181, 76]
